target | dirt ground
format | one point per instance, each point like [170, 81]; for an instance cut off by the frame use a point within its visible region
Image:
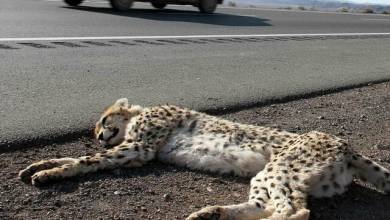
[160, 191]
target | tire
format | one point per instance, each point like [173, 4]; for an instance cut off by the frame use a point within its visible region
[159, 5]
[121, 5]
[207, 6]
[73, 2]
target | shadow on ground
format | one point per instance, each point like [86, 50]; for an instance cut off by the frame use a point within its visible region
[182, 16]
[357, 203]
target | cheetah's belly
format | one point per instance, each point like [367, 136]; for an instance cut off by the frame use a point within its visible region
[211, 152]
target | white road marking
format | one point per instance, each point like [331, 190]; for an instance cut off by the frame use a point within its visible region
[262, 8]
[375, 19]
[182, 36]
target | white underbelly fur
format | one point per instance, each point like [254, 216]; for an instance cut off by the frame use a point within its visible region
[211, 152]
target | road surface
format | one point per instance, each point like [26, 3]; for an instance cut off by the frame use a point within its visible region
[60, 66]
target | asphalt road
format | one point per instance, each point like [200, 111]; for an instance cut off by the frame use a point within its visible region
[51, 89]
[47, 18]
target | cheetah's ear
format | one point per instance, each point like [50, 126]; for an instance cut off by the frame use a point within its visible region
[122, 103]
[135, 109]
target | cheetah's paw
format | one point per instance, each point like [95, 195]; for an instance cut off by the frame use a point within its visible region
[209, 213]
[42, 177]
[302, 214]
[26, 174]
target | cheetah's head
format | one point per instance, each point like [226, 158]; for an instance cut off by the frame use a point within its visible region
[110, 130]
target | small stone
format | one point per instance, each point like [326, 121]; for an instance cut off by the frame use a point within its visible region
[321, 117]
[236, 194]
[166, 197]
[209, 189]
[58, 203]
[143, 208]
[117, 192]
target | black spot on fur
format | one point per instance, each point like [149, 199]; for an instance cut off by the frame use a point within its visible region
[260, 199]
[168, 113]
[192, 126]
[120, 156]
[287, 185]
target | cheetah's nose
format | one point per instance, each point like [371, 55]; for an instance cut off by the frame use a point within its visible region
[100, 137]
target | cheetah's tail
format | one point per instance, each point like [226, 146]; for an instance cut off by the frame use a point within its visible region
[372, 172]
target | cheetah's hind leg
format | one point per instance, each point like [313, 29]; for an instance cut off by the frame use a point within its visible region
[244, 211]
[302, 214]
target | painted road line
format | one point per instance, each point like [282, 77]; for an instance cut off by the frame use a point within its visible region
[375, 19]
[184, 36]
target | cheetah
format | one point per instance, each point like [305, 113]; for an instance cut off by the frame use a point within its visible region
[285, 167]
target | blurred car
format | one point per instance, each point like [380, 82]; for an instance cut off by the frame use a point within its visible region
[205, 6]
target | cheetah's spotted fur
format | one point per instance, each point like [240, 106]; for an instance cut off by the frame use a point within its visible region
[286, 167]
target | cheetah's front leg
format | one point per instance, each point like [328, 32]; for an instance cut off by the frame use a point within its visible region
[124, 155]
[25, 175]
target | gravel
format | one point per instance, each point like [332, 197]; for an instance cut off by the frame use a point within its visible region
[161, 191]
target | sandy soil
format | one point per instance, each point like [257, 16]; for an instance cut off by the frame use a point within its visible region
[160, 191]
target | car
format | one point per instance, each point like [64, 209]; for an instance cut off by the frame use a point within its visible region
[205, 6]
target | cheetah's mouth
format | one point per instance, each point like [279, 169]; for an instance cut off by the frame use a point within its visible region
[114, 133]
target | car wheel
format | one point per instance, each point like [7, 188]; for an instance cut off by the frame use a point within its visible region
[73, 2]
[207, 6]
[159, 5]
[121, 5]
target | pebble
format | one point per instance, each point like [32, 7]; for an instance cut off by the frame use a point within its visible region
[166, 197]
[58, 203]
[236, 194]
